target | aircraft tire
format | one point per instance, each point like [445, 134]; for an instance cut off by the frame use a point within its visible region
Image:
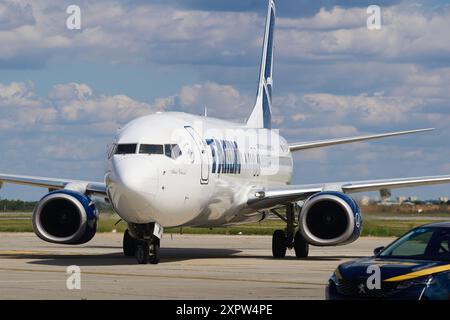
[155, 256]
[142, 252]
[301, 247]
[129, 244]
[279, 244]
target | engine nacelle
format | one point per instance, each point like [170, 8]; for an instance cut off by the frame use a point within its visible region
[65, 217]
[330, 219]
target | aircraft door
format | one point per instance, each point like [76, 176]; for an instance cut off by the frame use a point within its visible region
[204, 159]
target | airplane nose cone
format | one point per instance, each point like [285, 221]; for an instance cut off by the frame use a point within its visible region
[136, 175]
[132, 186]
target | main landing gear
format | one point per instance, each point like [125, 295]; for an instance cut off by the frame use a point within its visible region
[289, 238]
[143, 242]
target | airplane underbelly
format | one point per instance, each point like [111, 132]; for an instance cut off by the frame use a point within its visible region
[226, 205]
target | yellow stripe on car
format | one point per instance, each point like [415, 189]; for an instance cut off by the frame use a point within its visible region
[419, 273]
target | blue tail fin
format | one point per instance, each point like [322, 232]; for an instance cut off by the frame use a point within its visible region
[261, 116]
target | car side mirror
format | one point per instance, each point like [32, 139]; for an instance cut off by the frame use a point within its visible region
[377, 251]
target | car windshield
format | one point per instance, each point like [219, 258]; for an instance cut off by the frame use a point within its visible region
[425, 243]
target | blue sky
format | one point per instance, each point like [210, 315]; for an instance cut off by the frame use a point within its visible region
[64, 93]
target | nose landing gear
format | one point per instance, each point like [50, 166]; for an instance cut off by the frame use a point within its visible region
[142, 252]
[143, 241]
[148, 251]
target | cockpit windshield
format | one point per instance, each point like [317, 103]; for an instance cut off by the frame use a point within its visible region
[126, 149]
[172, 151]
[151, 149]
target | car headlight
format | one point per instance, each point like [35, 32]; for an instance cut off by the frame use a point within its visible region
[337, 275]
[415, 282]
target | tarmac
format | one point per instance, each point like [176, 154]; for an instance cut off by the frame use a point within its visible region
[195, 267]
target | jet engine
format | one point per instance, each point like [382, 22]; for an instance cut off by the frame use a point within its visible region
[65, 217]
[330, 219]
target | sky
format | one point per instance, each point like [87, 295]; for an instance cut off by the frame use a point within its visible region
[64, 93]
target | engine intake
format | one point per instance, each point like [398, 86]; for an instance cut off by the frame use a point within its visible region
[330, 219]
[65, 217]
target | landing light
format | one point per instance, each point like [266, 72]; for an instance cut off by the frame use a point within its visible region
[260, 194]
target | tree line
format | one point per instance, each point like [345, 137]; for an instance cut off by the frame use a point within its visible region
[7, 205]
[16, 205]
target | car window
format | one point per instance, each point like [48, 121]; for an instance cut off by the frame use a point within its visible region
[413, 244]
[442, 247]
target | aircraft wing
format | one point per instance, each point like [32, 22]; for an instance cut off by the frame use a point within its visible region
[86, 187]
[265, 198]
[331, 142]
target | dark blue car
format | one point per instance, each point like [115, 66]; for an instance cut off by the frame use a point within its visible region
[414, 267]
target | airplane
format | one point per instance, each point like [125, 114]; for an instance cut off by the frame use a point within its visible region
[176, 169]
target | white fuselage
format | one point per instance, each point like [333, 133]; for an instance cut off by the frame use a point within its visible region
[204, 185]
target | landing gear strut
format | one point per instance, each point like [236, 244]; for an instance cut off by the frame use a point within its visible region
[289, 239]
[143, 242]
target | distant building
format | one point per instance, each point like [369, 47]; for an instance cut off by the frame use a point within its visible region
[401, 199]
[443, 199]
[364, 201]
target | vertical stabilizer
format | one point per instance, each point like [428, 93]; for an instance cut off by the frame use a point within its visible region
[261, 116]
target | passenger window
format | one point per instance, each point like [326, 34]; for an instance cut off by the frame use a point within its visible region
[151, 149]
[172, 151]
[126, 149]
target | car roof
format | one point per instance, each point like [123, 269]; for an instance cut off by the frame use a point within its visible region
[442, 224]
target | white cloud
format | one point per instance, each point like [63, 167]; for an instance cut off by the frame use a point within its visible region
[71, 106]
[335, 18]
[120, 32]
[131, 33]
[70, 91]
[14, 14]
[376, 109]
[221, 101]
[17, 95]
[66, 104]
[406, 33]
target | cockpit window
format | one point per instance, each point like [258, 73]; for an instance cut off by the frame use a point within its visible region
[172, 151]
[126, 149]
[112, 150]
[151, 149]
